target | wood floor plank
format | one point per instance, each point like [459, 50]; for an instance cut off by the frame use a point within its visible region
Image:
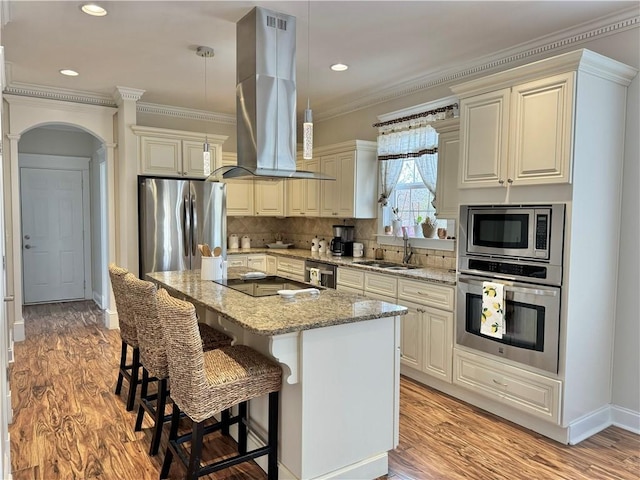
[68, 423]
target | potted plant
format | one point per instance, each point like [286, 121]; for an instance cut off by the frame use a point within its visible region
[429, 227]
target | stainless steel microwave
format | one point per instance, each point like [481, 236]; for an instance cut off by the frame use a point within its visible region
[523, 232]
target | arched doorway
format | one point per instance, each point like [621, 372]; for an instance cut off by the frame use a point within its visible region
[61, 200]
[43, 123]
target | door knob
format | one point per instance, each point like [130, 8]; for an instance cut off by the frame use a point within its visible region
[27, 237]
[27, 246]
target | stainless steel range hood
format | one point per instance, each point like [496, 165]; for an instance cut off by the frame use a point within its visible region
[266, 98]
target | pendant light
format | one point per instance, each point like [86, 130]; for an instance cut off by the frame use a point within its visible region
[206, 52]
[307, 123]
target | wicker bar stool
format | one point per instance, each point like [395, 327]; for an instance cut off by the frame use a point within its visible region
[206, 383]
[128, 334]
[141, 297]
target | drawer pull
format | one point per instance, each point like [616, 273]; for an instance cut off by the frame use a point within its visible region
[499, 383]
[423, 293]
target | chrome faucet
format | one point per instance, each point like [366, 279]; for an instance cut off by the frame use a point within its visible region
[406, 257]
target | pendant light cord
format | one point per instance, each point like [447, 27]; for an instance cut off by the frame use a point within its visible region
[308, 51]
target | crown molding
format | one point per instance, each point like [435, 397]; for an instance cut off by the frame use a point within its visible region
[186, 113]
[53, 93]
[536, 49]
[613, 24]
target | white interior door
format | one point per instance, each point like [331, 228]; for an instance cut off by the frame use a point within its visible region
[52, 235]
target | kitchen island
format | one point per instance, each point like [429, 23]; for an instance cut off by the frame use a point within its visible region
[341, 366]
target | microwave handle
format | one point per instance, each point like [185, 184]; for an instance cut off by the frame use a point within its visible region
[511, 288]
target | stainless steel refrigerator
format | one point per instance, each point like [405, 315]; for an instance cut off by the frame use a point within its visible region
[174, 217]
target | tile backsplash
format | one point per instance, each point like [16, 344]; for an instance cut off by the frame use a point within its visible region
[300, 231]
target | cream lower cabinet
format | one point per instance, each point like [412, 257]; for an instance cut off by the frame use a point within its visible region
[521, 135]
[291, 268]
[411, 336]
[523, 390]
[354, 192]
[272, 264]
[254, 261]
[350, 280]
[236, 261]
[427, 335]
[257, 262]
[175, 153]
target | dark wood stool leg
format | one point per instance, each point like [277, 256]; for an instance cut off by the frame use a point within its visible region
[272, 466]
[196, 450]
[133, 383]
[123, 363]
[173, 434]
[242, 428]
[143, 396]
[160, 405]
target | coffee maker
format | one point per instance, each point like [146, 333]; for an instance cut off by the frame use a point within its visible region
[342, 243]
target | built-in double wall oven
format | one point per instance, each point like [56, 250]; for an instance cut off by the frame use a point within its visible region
[519, 248]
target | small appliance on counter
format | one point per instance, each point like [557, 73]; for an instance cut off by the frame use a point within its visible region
[315, 244]
[358, 249]
[342, 243]
[245, 242]
[234, 241]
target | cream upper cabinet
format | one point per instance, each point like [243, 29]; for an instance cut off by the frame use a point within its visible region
[353, 193]
[249, 197]
[484, 139]
[448, 160]
[520, 135]
[174, 153]
[269, 197]
[541, 138]
[240, 193]
[303, 196]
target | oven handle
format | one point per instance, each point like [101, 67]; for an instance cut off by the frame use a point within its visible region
[512, 288]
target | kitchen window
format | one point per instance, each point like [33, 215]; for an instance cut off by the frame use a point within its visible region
[408, 166]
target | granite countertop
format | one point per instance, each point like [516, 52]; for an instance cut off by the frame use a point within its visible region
[274, 315]
[431, 274]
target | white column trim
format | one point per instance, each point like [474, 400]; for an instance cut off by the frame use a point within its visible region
[15, 263]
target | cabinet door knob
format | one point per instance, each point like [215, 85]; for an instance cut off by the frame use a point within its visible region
[509, 180]
[501, 182]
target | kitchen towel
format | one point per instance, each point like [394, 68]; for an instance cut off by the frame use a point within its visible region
[492, 322]
[314, 276]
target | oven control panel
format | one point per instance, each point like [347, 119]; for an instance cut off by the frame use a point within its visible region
[520, 270]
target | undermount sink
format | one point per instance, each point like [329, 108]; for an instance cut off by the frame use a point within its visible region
[385, 265]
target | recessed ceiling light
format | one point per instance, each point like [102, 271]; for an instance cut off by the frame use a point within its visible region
[69, 73]
[93, 10]
[339, 67]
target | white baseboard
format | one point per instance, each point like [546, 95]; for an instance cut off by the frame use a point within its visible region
[372, 467]
[625, 418]
[589, 425]
[18, 330]
[111, 319]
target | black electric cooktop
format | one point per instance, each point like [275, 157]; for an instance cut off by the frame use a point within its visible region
[262, 287]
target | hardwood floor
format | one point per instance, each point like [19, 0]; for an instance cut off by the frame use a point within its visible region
[68, 423]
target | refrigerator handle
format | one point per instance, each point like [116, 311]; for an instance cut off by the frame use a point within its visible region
[186, 225]
[194, 226]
